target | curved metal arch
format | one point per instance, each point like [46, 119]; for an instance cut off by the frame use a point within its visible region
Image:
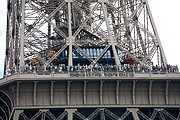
[4, 113]
[7, 97]
[6, 105]
[1, 118]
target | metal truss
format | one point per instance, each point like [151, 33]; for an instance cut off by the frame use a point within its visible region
[35, 27]
[43, 114]
[103, 114]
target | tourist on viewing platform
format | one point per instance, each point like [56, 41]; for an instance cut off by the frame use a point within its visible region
[98, 69]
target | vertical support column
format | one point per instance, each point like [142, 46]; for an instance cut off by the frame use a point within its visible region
[16, 114]
[156, 33]
[85, 88]
[43, 115]
[17, 93]
[70, 38]
[68, 92]
[134, 113]
[35, 93]
[117, 92]
[102, 115]
[167, 89]
[52, 92]
[101, 89]
[22, 34]
[133, 94]
[70, 113]
[150, 92]
[109, 32]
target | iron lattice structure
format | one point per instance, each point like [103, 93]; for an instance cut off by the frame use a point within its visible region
[87, 46]
[46, 31]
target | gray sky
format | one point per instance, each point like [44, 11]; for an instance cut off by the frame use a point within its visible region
[166, 16]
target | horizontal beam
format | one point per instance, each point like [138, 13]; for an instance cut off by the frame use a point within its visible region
[98, 106]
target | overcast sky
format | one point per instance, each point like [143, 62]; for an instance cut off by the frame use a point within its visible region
[166, 16]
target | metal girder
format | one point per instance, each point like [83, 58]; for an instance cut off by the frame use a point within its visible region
[52, 92]
[84, 93]
[134, 92]
[83, 52]
[111, 115]
[23, 116]
[81, 116]
[167, 92]
[100, 55]
[62, 115]
[70, 38]
[102, 114]
[56, 54]
[101, 93]
[17, 93]
[70, 113]
[125, 115]
[153, 114]
[59, 31]
[36, 115]
[132, 56]
[37, 26]
[84, 22]
[150, 92]
[178, 118]
[134, 113]
[156, 33]
[117, 92]
[93, 115]
[161, 115]
[142, 115]
[117, 62]
[168, 114]
[22, 34]
[50, 115]
[68, 92]
[35, 93]
[43, 116]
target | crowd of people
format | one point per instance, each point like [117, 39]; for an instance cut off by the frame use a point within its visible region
[97, 69]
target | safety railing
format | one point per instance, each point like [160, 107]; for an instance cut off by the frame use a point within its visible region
[95, 71]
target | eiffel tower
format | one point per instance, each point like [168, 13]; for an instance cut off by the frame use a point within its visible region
[86, 60]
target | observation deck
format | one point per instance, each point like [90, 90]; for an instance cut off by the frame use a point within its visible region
[107, 88]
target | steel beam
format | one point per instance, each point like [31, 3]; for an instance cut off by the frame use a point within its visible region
[68, 92]
[84, 92]
[52, 92]
[70, 38]
[17, 93]
[70, 113]
[110, 35]
[134, 113]
[35, 93]
[22, 36]
[156, 33]
[150, 92]
[102, 114]
[101, 93]
[117, 92]
[134, 93]
[17, 114]
[167, 92]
